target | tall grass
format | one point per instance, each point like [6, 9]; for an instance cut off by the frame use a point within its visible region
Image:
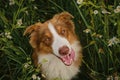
[97, 26]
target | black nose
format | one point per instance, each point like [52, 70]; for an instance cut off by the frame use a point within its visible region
[63, 50]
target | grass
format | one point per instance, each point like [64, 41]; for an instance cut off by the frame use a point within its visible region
[97, 26]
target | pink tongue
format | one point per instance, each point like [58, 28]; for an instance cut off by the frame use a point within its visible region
[67, 59]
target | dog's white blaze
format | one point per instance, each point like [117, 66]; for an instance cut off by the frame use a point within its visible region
[58, 41]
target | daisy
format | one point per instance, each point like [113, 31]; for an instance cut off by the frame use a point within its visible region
[113, 41]
[79, 1]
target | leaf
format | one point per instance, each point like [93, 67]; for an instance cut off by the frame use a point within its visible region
[20, 26]
[44, 60]
[23, 9]
[118, 30]
[4, 19]
[11, 56]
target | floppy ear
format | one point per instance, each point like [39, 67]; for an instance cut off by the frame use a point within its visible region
[33, 30]
[66, 18]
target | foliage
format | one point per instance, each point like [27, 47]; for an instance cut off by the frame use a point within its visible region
[97, 25]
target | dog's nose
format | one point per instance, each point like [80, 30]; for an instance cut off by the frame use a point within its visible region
[63, 50]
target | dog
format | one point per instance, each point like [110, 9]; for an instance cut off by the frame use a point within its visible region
[56, 47]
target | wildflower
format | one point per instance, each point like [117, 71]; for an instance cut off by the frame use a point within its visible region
[118, 7]
[26, 12]
[113, 41]
[79, 1]
[34, 77]
[115, 24]
[99, 36]
[100, 50]
[1, 34]
[105, 12]
[95, 12]
[29, 62]
[38, 68]
[92, 42]
[7, 34]
[117, 10]
[110, 78]
[35, 7]
[38, 78]
[28, 58]
[26, 65]
[87, 30]
[9, 37]
[94, 34]
[11, 2]
[19, 22]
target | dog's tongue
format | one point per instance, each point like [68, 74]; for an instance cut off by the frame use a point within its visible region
[69, 58]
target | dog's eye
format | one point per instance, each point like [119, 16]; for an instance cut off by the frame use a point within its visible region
[47, 40]
[64, 32]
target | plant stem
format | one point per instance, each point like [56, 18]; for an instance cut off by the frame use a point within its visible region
[56, 5]
[88, 26]
[106, 27]
[81, 14]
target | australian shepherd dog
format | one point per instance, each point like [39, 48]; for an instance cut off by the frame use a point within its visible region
[56, 47]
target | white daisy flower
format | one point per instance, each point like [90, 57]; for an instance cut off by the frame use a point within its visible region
[11, 2]
[2, 34]
[87, 31]
[79, 1]
[19, 22]
[113, 41]
[95, 11]
[117, 10]
[35, 7]
[26, 65]
[38, 78]
[105, 11]
[7, 34]
[34, 77]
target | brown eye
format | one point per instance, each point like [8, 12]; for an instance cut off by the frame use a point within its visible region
[63, 31]
[47, 40]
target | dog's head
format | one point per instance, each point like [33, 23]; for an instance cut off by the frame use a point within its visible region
[54, 36]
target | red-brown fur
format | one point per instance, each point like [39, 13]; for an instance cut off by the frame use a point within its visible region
[41, 38]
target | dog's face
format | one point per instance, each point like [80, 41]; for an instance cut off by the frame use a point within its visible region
[54, 36]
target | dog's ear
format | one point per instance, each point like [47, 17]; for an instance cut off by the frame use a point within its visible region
[66, 18]
[33, 30]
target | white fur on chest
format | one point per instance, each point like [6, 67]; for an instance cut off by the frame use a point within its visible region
[54, 68]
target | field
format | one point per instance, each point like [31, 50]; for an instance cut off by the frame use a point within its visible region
[97, 25]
